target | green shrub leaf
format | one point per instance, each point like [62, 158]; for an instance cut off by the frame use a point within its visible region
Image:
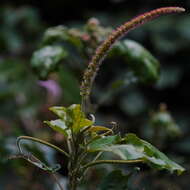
[136, 148]
[143, 64]
[78, 117]
[46, 59]
[71, 118]
[59, 126]
[63, 34]
[101, 143]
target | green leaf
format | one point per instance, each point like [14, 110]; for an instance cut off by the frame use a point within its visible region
[54, 34]
[46, 59]
[153, 156]
[78, 117]
[63, 34]
[136, 148]
[115, 180]
[103, 143]
[70, 118]
[141, 61]
[59, 126]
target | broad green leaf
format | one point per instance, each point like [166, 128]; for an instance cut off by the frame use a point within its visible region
[141, 61]
[136, 148]
[78, 117]
[115, 180]
[46, 59]
[103, 142]
[59, 126]
[153, 156]
[70, 118]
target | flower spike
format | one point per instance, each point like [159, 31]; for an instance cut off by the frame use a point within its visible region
[103, 49]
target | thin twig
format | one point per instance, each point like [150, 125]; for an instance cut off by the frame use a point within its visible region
[41, 142]
[112, 162]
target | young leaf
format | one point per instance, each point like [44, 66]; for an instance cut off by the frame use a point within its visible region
[59, 126]
[70, 118]
[78, 117]
[60, 111]
[46, 59]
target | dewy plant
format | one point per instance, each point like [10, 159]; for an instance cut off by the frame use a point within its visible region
[85, 138]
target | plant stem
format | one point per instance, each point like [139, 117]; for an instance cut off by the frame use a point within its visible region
[111, 162]
[41, 142]
[74, 162]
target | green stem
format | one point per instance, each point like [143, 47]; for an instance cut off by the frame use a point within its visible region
[111, 162]
[74, 162]
[41, 142]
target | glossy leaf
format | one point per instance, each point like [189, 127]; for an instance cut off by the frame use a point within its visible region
[78, 117]
[71, 118]
[152, 155]
[59, 126]
[143, 64]
[136, 148]
[46, 59]
[104, 142]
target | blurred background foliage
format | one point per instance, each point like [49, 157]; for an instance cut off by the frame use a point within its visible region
[64, 34]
